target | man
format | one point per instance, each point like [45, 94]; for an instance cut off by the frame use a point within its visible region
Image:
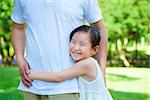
[43, 27]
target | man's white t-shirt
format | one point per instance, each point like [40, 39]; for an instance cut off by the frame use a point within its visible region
[48, 27]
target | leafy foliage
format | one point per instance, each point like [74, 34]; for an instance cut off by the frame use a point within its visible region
[127, 21]
[6, 50]
[126, 17]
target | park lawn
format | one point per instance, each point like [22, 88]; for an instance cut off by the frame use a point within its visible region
[9, 80]
[123, 83]
[129, 83]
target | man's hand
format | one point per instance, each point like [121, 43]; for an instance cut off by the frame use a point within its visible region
[24, 71]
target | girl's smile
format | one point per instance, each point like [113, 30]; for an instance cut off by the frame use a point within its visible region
[80, 46]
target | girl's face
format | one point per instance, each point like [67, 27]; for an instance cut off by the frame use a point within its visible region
[81, 47]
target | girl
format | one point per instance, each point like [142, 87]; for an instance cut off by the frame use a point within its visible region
[84, 45]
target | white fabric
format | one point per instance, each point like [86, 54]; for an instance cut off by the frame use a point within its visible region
[48, 26]
[94, 90]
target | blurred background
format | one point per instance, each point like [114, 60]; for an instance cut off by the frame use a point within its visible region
[128, 71]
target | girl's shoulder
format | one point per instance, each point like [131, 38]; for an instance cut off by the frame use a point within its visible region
[89, 62]
[90, 69]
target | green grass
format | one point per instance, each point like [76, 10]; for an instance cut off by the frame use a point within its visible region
[123, 83]
[129, 83]
[9, 80]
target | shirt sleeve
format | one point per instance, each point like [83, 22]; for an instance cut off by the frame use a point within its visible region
[92, 11]
[17, 13]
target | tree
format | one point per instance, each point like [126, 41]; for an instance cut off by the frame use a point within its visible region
[127, 21]
[6, 50]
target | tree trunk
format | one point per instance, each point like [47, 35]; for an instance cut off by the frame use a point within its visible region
[121, 51]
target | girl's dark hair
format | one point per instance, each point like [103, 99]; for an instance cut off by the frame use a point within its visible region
[94, 34]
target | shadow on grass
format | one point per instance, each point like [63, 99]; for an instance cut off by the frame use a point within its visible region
[115, 77]
[119, 95]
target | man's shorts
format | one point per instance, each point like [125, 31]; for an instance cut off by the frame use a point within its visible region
[67, 96]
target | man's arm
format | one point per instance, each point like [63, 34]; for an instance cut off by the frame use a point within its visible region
[18, 41]
[102, 56]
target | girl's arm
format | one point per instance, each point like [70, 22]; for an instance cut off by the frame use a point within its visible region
[80, 68]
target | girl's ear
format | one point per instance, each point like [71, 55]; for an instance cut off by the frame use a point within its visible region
[95, 50]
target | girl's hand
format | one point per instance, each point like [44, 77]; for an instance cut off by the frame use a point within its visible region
[32, 74]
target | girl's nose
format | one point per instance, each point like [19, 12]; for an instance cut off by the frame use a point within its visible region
[76, 47]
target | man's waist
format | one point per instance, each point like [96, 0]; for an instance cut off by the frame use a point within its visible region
[48, 65]
[50, 90]
[37, 84]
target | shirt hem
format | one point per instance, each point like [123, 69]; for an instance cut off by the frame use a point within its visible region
[48, 92]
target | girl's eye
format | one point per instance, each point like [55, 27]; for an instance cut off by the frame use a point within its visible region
[73, 42]
[82, 44]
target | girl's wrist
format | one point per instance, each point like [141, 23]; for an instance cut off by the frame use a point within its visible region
[34, 76]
